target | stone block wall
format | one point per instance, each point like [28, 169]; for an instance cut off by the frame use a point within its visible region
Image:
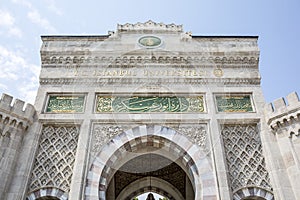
[15, 120]
[283, 121]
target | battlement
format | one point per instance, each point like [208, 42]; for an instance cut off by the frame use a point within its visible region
[150, 26]
[283, 111]
[16, 108]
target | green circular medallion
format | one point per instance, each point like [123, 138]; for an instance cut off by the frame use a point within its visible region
[150, 41]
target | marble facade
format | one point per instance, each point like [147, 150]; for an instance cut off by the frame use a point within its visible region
[149, 107]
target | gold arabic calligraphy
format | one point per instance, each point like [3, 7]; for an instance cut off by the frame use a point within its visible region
[65, 104]
[234, 104]
[150, 104]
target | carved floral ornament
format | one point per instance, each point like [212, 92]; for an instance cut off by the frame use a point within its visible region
[102, 134]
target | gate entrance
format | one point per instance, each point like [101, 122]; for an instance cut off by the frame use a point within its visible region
[149, 158]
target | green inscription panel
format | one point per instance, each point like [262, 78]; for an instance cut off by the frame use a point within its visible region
[234, 103]
[65, 104]
[149, 104]
[150, 41]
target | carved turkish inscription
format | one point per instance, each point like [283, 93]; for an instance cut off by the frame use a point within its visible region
[150, 104]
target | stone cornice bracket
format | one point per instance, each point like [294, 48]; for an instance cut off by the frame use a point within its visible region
[281, 114]
[150, 26]
[16, 112]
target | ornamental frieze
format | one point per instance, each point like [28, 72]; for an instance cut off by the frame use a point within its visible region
[133, 60]
[154, 81]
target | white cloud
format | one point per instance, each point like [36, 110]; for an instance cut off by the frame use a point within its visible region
[34, 15]
[23, 2]
[28, 89]
[18, 76]
[8, 25]
[36, 18]
[15, 31]
[6, 18]
[51, 4]
[3, 87]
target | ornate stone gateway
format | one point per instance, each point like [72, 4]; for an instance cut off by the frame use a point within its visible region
[149, 108]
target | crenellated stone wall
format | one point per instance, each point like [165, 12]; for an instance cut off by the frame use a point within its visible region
[283, 121]
[15, 121]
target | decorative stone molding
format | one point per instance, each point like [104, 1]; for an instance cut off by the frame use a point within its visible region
[53, 166]
[150, 26]
[122, 81]
[57, 60]
[245, 160]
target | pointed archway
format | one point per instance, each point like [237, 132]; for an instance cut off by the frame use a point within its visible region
[158, 140]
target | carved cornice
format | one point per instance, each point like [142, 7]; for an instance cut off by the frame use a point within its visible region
[150, 26]
[161, 81]
[132, 60]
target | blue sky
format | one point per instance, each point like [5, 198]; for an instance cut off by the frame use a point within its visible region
[22, 22]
